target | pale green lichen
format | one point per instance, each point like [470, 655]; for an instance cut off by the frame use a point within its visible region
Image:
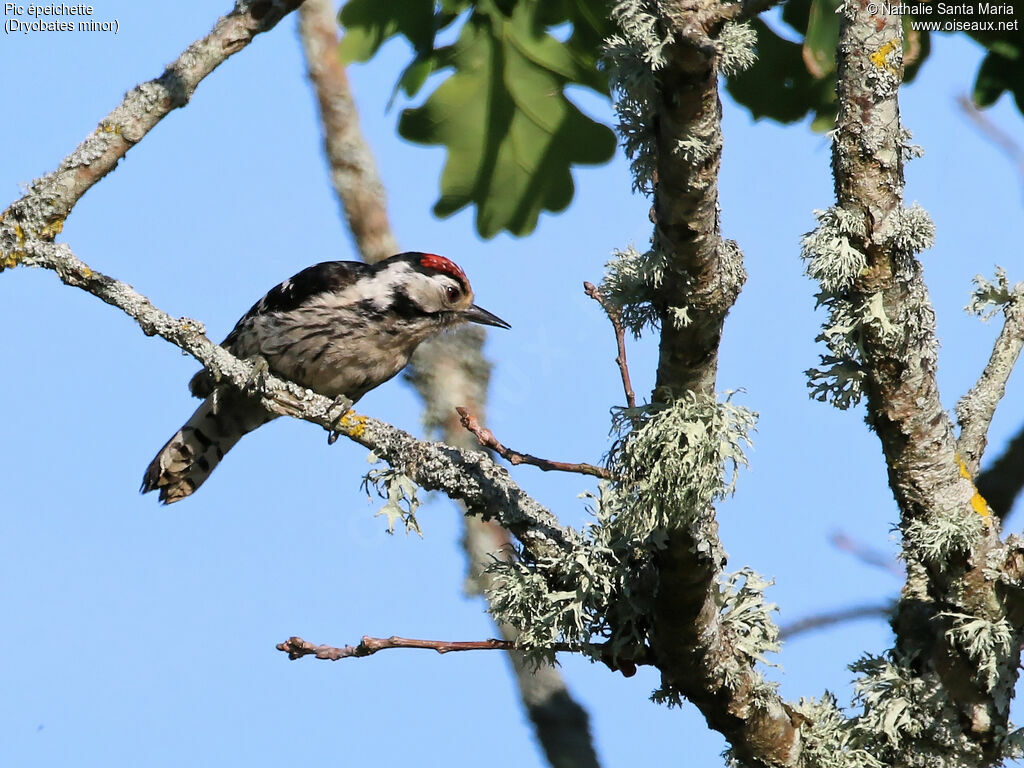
[907, 717]
[828, 740]
[587, 594]
[987, 643]
[736, 48]
[988, 298]
[680, 316]
[630, 281]
[693, 150]
[909, 150]
[746, 615]
[911, 231]
[829, 256]
[400, 493]
[833, 256]
[835, 263]
[632, 57]
[678, 457]
[943, 533]
[669, 461]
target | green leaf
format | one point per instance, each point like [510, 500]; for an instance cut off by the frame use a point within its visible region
[822, 38]
[415, 75]
[996, 75]
[792, 79]
[778, 85]
[917, 45]
[796, 14]
[512, 135]
[368, 23]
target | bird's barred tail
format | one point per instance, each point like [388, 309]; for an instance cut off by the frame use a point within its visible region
[189, 457]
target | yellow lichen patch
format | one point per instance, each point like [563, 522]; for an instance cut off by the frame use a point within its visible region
[52, 229]
[352, 424]
[878, 58]
[978, 503]
[106, 127]
[11, 259]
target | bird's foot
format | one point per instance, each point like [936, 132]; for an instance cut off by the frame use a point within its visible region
[345, 405]
[257, 380]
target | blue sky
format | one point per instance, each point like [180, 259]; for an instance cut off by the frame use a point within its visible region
[139, 635]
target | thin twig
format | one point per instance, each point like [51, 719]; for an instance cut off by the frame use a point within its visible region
[994, 133]
[866, 554]
[831, 618]
[488, 440]
[620, 338]
[41, 212]
[296, 648]
[975, 410]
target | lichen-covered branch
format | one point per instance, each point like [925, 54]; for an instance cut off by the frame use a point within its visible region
[665, 62]
[471, 477]
[958, 621]
[892, 317]
[41, 212]
[353, 171]
[976, 409]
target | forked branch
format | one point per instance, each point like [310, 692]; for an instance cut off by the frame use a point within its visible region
[976, 409]
[41, 212]
[487, 439]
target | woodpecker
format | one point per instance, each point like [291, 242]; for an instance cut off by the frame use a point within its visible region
[340, 328]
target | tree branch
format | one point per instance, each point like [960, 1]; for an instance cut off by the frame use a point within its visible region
[296, 647]
[471, 477]
[866, 554]
[831, 618]
[674, 123]
[615, 316]
[976, 409]
[899, 341]
[995, 134]
[446, 371]
[353, 171]
[41, 212]
[487, 439]
[947, 536]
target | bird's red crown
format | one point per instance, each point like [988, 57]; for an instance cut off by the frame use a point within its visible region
[441, 264]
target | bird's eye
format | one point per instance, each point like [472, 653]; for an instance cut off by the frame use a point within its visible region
[452, 292]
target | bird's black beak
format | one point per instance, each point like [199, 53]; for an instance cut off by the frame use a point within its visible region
[480, 315]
